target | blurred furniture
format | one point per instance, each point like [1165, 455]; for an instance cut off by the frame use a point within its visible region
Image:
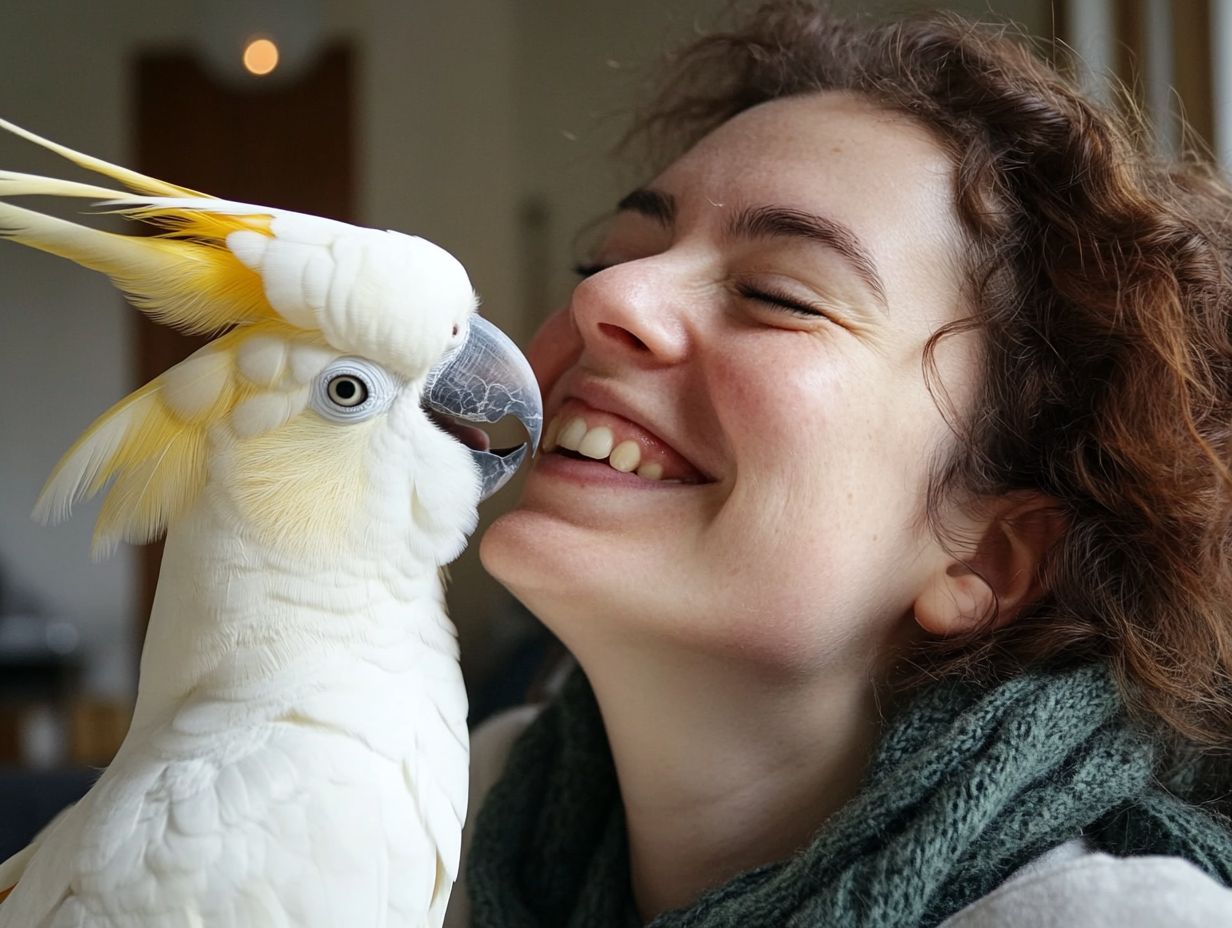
[40, 669]
[52, 741]
[96, 728]
[30, 799]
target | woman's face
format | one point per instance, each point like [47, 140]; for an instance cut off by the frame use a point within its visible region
[752, 335]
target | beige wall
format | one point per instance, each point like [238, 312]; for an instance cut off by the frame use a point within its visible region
[471, 112]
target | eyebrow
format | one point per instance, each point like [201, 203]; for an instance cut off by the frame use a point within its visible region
[770, 222]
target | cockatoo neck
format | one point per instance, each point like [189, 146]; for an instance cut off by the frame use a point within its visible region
[231, 614]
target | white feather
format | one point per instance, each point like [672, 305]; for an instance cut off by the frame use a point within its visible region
[283, 270]
[308, 360]
[249, 247]
[193, 386]
[262, 359]
[266, 411]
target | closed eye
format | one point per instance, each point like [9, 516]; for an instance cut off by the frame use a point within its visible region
[780, 301]
[761, 295]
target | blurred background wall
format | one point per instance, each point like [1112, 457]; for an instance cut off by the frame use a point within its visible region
[481, 124]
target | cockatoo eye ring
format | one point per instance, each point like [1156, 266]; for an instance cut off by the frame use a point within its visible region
[347, 390]
[352, 390]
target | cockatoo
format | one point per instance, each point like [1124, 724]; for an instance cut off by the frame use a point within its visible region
[298, 753]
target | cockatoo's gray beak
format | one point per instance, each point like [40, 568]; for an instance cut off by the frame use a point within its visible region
[483, 380]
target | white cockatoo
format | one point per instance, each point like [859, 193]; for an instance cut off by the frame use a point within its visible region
[298, 753]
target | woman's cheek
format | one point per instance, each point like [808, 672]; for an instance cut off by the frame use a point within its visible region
[553, 349]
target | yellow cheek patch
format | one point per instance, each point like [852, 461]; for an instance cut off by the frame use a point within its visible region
[155, 458]
[161, 472]
[302, 485]
[154, 444]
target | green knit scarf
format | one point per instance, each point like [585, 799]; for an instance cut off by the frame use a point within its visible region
[966, 786]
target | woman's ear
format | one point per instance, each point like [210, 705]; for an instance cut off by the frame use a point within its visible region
[1015, 535]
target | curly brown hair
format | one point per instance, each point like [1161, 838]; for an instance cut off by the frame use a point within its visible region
[1098, 279]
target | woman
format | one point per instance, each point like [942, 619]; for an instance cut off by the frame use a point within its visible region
[884, 510]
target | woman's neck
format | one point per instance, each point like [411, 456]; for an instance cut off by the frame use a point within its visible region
[720, 773]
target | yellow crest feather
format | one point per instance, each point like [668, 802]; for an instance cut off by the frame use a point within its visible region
[185, 276]
[205, 288]
[196, 287]
[130, 179]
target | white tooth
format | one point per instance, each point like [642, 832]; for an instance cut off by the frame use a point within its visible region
[651, 471]
[597, 444]
[572, 434]
[549, 437]
[626, 456]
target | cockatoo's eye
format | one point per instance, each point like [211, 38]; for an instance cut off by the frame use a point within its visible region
[347, 390]
[352, 390]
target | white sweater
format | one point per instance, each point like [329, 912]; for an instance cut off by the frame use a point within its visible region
[1071, 886]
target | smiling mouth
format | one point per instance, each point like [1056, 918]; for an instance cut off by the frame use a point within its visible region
[576, 438]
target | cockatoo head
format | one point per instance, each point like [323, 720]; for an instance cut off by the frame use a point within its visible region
[317, 421]
[316, 443]
[319, 437]
[340, 436]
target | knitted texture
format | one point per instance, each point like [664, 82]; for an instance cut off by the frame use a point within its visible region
[966, 786]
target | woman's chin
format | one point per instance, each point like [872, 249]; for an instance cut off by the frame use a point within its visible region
[526, 550]
[558, 569]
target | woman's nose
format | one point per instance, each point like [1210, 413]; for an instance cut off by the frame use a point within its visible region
[632, 312]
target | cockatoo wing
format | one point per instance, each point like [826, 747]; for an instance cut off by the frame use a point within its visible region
[287, 822]
[12, 869]
[17, 869]
[435, 766]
